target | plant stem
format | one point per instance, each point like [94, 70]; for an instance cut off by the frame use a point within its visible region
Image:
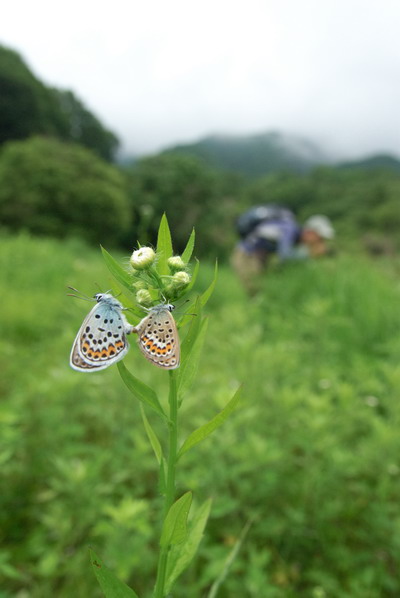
[170, 483]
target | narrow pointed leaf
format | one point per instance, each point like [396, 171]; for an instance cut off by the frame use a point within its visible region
[190, 364]
[181, 555]
[110, 584]
[140, 390]
[207, 429]
[164, 246]
[121, 275]
[187, 254]
[207, 293]
[194, 328]
[152, 436]
[175, 525]
[189, 305]
[194, 276]
[162, 480]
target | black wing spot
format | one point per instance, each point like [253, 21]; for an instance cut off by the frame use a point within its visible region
[87, 329]
[97, 316]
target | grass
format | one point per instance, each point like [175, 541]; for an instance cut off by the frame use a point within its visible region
[311, 457]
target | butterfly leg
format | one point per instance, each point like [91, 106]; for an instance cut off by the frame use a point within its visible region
[138, 328]
[128, 328]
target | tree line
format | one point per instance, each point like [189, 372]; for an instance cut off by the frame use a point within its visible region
[57, 178]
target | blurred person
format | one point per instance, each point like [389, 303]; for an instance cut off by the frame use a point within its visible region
[272, 232]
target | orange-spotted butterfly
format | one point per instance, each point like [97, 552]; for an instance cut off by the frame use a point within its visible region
[101, 340]
[158, 337]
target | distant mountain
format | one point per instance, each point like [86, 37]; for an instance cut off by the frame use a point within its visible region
[381, 161]
[256, 155]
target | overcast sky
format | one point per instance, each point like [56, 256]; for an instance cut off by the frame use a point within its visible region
[158, 72]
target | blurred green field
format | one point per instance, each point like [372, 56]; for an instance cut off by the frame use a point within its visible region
[312, 456]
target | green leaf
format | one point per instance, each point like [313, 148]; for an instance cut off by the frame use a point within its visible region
[207, 294]
[187, 254]
[155, 443]
[175, 525]
[121, 275]
[109, 583]
[189, 305]
[207, 429]
[122, 280]
[164, 247]
[194, 328]
[189, 365]
[162, 479]
[140, 390]
[181, 555]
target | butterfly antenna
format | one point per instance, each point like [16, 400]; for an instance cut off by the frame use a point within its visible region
[78, 294]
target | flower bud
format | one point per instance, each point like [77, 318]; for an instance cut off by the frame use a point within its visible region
[142, 258]
[180, 280]
[176, 263]
[143, 297]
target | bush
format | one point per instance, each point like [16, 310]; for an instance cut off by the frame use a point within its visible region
[59, 189]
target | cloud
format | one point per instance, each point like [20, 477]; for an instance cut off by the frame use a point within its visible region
[161, 72]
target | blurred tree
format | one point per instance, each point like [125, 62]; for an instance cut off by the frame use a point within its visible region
[59, 189]
[191, 193]
[27, 107]
[84, 127]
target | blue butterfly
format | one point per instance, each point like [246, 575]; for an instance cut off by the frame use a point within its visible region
[101, 340]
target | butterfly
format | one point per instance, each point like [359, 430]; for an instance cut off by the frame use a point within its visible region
[158, 337]
[101, 340]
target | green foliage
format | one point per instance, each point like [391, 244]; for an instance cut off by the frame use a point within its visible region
[190, 192]
[83, 127]
[60, 189]
[141, 391]
[181, 555]
[175, 524]
[311, 458]
[28, 107]
[111, 585]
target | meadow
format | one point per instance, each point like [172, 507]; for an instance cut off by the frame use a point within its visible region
[308, 464]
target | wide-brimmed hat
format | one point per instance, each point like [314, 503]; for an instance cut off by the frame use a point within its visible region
[320, 225]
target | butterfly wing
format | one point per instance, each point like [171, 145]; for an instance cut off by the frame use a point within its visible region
[101, 340]
[159, 339]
